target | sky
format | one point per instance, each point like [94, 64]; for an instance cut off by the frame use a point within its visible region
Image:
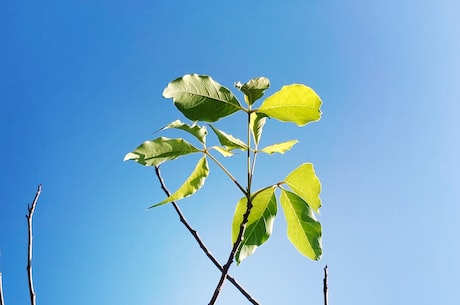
[81, 85]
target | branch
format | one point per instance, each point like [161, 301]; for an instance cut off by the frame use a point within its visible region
[31, 210]
[201, 243]
[1, 291]
[325, 286]
[231, 257]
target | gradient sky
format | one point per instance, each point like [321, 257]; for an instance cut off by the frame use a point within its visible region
[81, 85]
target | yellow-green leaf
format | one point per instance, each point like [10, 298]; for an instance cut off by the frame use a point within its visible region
[303, 230]
[280, 147]
[193, 183]
[293, 103]
[155, 152]
[260, 222]
[304, 182]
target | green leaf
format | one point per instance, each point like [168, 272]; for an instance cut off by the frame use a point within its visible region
[304, 182]
[293, 103]
[229, 141]
[256, 124]
[195, 130]
[260, 222]
[253, 89]
[201, 98]
[193, 183]
[280, 147]
[224, 152]
[155, 152]
[303, 230]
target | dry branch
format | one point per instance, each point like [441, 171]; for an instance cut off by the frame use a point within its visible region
[31, 210]
[201, 243]
[1, 291]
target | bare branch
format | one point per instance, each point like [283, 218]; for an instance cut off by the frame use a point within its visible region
[325, 286]
[1, 291]
[201, 243]
[231, 257]
[31, 210]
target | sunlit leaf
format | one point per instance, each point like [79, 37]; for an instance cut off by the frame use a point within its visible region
[229, 141]
[155, 152]
[280, 147]
[303, 230]
[293, 103]
[260, 222]
[201, 98]
[254, 89]
[193, 183]
[224, 152]
[195, 130]
[304, 182]
[256, 124]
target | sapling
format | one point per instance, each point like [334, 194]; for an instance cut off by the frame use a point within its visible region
[203, 100]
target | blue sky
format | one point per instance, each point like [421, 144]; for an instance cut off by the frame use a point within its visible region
[81, 84]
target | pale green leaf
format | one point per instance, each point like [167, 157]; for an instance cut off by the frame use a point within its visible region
[293, 103]
[256, 124]
[155, 152]
[260, 222]
[304, 182]
[280, 147]
[303, 230]
[224, 152]
[200, 98]
[195, 130]
[254, 89]
[193, 183]
[229, 141]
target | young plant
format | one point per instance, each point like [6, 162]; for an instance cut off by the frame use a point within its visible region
[201, 99]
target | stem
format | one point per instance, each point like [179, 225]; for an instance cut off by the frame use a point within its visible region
[226, 172]
[200, 242]
[243, 224]
[31, 210]
[325, 286]
[1, 291]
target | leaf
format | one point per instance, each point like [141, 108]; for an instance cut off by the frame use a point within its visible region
[155, 152]
[256, 124]
[193, 183]
[201, 98]
[195, 130]
[304, 182]
[303, 230]
[280, 147]
[293, 103]
[229, 141]
[260, 222]
[254, 89]
[224, 152]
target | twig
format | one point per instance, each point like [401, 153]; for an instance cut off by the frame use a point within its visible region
[1, 291]
[325, 286]
[201, 243]
[231, 257]
[31, 210]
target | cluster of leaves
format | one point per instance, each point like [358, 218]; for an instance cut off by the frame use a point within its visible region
[201, 99]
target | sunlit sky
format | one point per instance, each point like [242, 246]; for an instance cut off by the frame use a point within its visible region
[81, 85]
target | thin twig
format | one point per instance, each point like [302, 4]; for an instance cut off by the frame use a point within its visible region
[325, 286]
[1, 291]
[201, 243]
[31, 210]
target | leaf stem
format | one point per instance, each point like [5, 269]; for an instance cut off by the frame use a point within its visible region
[203, 247]
[226, 172]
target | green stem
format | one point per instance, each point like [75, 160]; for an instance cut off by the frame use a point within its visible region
[226, 172]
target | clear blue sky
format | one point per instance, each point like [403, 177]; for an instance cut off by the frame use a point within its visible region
[81, 84]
